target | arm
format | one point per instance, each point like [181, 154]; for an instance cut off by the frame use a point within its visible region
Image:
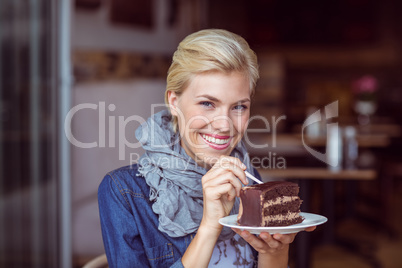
[122, 229]
[199, 252]
[120, 235]
[220, 186]
[273, 250]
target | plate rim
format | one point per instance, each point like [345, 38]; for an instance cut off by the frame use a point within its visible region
[322, 220]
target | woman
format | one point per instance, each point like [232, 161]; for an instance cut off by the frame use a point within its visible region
[164, 211]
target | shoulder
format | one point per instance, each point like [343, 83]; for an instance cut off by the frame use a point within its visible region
[124, 182]
[124, 172]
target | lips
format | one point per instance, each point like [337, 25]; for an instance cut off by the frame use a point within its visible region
[216, 141]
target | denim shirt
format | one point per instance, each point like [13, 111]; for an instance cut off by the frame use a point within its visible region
[130, 227]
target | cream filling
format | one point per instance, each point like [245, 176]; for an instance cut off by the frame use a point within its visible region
[280, 200]
[279, 217]
[214, 140]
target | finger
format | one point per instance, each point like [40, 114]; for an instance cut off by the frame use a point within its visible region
[284, 238]
[236, 230]
[212, 174]
[223, 164]
[229, 160]
[226, 162]
[310, 229]
[234, 165]
[268, 239]
[254, 241]
[231, 194]
[227, 178]
[218, 191]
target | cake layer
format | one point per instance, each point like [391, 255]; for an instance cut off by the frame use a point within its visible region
[293, 206]
[289, 190]
[280, 200]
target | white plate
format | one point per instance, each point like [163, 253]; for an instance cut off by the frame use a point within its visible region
[309, 220]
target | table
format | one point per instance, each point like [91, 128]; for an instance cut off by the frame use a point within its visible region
[392, 130]
[389, 129]
[365, 140]
[257, 143]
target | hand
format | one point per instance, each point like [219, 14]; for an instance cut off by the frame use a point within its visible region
[310, 229]
[271, 244]
[221, 184]
[266, 243]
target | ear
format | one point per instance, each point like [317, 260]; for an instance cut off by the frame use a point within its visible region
[173, 99]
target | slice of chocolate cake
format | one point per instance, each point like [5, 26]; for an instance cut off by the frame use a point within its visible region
[273, 203]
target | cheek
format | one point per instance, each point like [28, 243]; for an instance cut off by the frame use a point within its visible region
[189, 129]
[196, 121]
[241, 124]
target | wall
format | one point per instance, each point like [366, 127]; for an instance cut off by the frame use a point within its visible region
[92, 30]
[100, 52]
[90, 165]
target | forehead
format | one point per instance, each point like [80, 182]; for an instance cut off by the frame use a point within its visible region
[224, 85]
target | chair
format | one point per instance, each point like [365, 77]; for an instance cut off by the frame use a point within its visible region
[98, 262]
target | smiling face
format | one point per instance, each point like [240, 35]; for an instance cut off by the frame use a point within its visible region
[213, 113]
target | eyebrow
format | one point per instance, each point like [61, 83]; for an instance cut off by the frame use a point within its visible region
[212, 98]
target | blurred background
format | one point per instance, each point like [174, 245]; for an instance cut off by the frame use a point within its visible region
[108, 59]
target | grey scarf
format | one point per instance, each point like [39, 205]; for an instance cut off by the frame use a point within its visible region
[175, 178]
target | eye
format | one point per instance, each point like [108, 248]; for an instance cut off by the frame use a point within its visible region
[207, 104]
[240, 107]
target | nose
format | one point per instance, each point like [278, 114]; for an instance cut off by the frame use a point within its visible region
[222, 123]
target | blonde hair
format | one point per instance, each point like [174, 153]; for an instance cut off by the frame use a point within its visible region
[211, 50]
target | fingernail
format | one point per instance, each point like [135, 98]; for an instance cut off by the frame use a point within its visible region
[243, 166]
[263, 236]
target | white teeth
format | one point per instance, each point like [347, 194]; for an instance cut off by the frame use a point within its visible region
[214, 140]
